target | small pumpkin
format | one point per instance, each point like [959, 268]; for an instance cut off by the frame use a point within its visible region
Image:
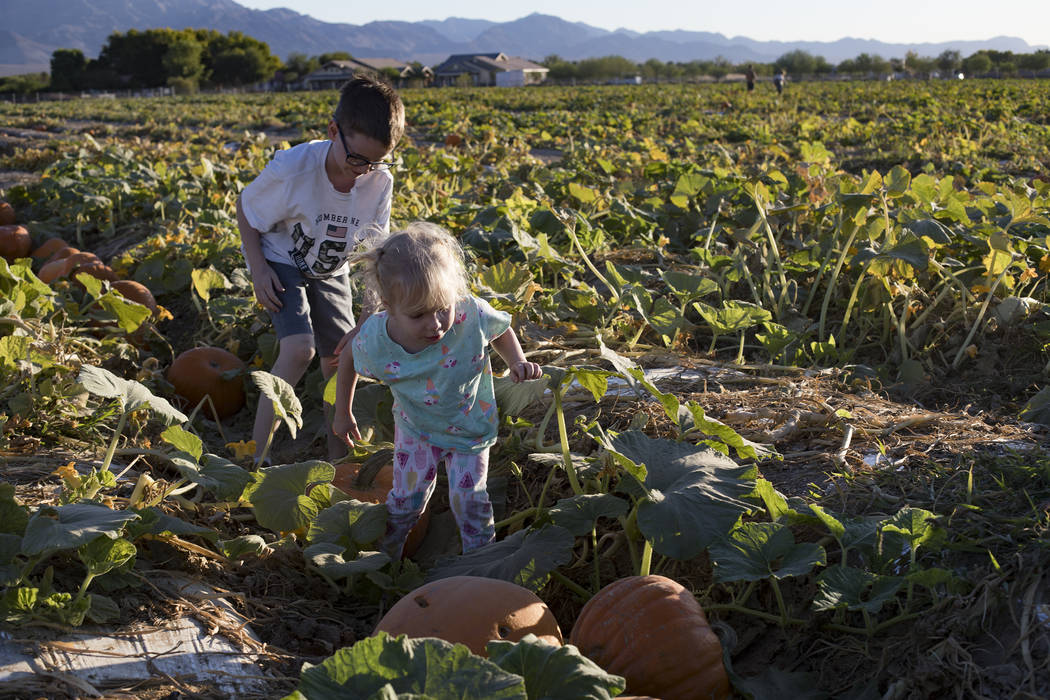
[62, 253]
[453, 140]
[653, 632]
[198, 372]
[69, 264]
[7, 214]
[370, 482]
[471, 610]
[14, 242]
[48, 248]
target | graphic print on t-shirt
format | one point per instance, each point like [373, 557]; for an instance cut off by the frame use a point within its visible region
[329, 254]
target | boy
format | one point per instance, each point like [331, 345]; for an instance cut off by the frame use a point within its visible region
[302, 216]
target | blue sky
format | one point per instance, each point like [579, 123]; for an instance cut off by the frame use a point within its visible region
[821, 20]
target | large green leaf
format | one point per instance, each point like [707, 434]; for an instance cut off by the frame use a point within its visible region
[223, 478]
[854, 589]
[286, 405]
[332, 560]
[416, 668]
[13, 515]
[525, 558]
[554, 672]
[70, 526]
[579, 514]
[350, 524]
[513, 398]
[755, 551]
[284, 498]
[131, 394]
[694, 492]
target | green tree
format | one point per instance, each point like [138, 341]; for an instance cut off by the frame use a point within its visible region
[949, 62]
[238, 59]
[977, 64]
[333, 56]
[298, 66]
[182, 62]
[797, 63]
[67, 69]
[560, 69]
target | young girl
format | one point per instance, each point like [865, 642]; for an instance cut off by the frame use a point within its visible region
[430, 345]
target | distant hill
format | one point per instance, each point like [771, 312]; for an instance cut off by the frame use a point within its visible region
[35, 28]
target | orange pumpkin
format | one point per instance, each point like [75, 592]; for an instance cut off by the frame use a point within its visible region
[471, 610]
[137, 292]
[48, 248]
[71, 263]
[198, 372]
[7, 214]
[14, 242]
[453, 140]
[651, 631]
[62, 253]
[365, 483]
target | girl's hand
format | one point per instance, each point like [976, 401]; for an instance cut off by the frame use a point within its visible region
[345, 427]
[521, 371]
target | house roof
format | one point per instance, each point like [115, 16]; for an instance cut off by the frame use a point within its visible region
[499, 62]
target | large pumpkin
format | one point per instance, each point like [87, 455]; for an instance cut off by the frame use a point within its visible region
[14, 242]
[370, 482]
[198, 372]
[471, 610]
[7, 214]
[651, 631]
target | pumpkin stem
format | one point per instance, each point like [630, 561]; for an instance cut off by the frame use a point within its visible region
[371, 466]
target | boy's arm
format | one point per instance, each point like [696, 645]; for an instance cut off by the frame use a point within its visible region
[509, 349]
[343, 424]
[264, 279]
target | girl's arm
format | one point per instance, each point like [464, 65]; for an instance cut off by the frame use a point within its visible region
[343, 424]
[509, 349]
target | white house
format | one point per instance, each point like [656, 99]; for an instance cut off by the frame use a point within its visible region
[496, 69]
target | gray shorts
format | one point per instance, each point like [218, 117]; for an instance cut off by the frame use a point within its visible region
[320, 307]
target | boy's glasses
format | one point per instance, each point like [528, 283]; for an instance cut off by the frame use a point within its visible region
[356, 160]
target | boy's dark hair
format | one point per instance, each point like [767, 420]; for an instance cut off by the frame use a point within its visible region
[371, 107]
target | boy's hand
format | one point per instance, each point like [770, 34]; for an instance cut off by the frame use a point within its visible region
[345, 427]
[267, 287]
[343, 342]
[521, 371]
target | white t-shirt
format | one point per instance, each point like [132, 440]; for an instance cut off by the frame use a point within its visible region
[304, 220]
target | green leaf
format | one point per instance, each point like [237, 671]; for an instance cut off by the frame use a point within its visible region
[104, 554]
[183, 440]
[286, 405]
[350, 524]
[102, 609]
[916, 525]
[694, 492]
[854, 589]
[932, 229]
[1037, 410]
[595, 381]
[241, 547]
[897, 181]
[835, 527]
[223, 478]
[554, 672]
[13, 515]
[206, 280]
[755, 551]
[584, 194]
[70, 526]
[131, 394]
[525, 558]
[129, 314]
[427, 667]
[331, 560]
[579, 514]
[773, 682]
[280, 497]
[514, 398]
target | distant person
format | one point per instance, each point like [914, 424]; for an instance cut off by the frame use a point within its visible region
[749, 75]
[778, 81]
[302, 216]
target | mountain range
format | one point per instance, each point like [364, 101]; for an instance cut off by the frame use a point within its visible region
[34, 29]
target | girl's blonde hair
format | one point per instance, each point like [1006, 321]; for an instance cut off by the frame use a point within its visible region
[417, 269]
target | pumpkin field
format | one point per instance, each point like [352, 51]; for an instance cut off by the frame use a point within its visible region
[790, 441]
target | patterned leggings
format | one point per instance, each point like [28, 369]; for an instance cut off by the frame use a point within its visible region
[415, 474]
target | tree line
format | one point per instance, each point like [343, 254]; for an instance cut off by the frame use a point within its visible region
[188, 60]
[802, 63]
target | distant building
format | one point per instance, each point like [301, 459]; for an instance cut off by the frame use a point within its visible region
[333, 74]
[484, 69]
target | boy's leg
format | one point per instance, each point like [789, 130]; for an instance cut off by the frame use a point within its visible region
[332, 318]
[469, 498]
[293, 358]
[295, 334]
[415, 474]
